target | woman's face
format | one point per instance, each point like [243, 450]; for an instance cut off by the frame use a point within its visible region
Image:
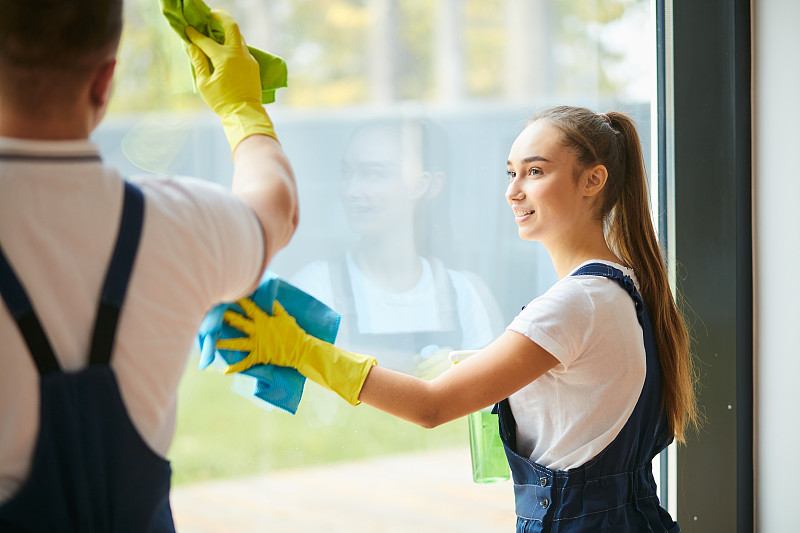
[542, 189]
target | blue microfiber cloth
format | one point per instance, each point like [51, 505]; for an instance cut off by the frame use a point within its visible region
[277, 385]
[195, 13]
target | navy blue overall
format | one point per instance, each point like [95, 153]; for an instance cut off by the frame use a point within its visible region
[91, 470]
[615, 491]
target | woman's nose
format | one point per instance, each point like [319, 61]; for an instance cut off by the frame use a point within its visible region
[513, 192]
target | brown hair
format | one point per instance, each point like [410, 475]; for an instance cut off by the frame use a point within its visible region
[49, 47]
[610, 139]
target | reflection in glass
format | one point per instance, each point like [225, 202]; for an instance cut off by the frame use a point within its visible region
[398, 298]
[403, 226]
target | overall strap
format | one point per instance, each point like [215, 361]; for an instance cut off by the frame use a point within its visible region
[446, 297]
[114, 288]
[607, 271]
[342, 288]
[20, 307]
[118, 275]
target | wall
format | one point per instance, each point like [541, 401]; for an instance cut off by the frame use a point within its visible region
[776, 141]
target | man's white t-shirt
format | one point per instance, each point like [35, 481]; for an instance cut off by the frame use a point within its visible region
[59, 218]
[572, 412]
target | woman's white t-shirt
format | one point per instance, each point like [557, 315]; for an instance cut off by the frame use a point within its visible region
[572, 412]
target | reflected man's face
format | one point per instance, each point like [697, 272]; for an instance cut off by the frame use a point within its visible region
[377, 188]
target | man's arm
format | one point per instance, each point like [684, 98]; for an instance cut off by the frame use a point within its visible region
[263, 178]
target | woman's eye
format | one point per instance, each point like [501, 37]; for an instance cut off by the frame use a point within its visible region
[511, 174]
[534, 171]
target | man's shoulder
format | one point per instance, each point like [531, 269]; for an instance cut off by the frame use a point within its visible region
[175, 192]
[167, 184]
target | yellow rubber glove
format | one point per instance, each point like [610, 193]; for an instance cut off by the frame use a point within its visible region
[278, 340]
[230, 85]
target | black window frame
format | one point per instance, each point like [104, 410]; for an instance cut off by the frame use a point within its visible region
[711, 124]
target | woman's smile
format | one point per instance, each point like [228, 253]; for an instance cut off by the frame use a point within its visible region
[522, 214]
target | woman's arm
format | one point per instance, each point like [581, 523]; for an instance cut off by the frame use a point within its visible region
[509, 363]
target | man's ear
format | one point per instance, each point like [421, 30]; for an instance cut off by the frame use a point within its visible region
[435, 182]
[420, 185]
[594, 180]
[100, 90]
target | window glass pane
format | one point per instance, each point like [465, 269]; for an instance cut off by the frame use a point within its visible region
[398, 119]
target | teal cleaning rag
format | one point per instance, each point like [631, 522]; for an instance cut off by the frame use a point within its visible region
[182, 13]
[277, 385]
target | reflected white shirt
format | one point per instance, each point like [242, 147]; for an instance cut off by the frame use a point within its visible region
[380, 311]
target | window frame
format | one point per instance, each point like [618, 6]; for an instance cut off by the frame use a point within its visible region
[712, 247]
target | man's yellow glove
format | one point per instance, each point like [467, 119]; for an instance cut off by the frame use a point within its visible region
[230, 84]
[278, 340]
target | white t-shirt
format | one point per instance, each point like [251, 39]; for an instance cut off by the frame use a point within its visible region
[417, 309]
[572, 412]
[58, 223]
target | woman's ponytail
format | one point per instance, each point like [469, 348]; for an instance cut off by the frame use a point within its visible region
[631, 235]
[611, 139]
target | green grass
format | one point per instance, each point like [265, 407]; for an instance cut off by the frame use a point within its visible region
[222, 434]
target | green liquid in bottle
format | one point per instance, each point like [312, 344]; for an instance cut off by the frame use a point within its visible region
[489, 463]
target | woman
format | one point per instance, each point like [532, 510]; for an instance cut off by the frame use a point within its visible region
[592, 379]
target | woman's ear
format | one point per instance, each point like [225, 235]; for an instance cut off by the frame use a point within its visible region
[595, 180]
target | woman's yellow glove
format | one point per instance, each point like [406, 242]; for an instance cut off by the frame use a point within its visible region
[227, 78]
[278, 340]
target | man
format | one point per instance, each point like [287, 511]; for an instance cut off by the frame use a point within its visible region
[95, 266]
